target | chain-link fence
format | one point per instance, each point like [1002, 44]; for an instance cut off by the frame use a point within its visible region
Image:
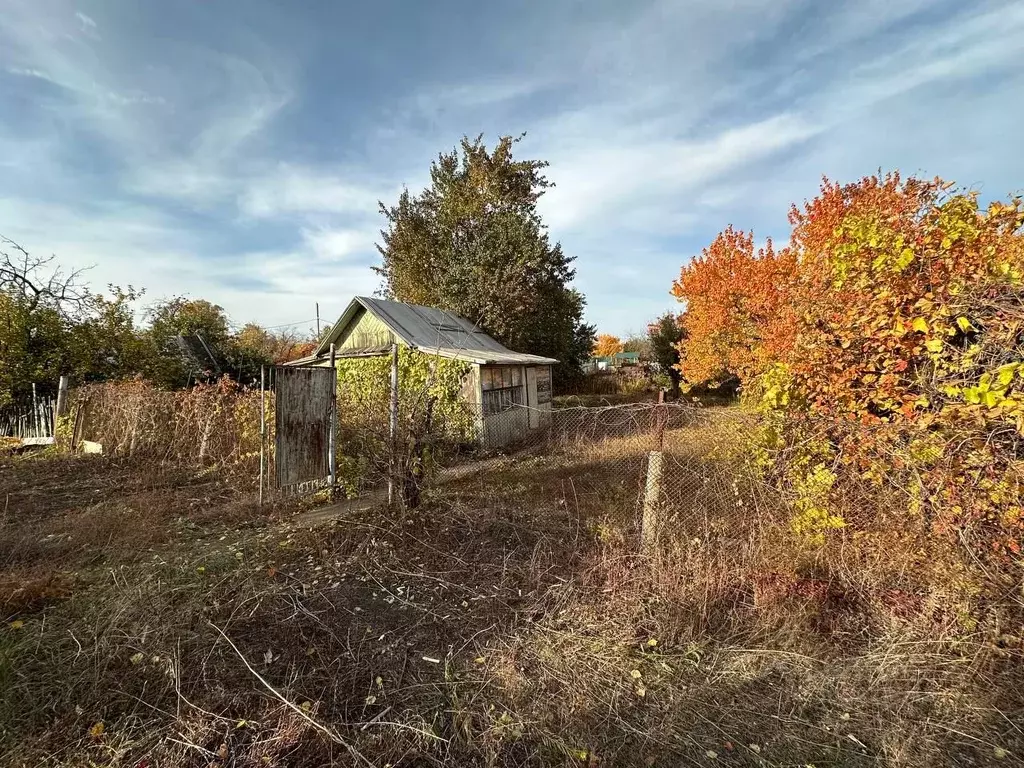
[666, 466]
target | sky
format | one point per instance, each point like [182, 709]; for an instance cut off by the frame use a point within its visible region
[236, 150]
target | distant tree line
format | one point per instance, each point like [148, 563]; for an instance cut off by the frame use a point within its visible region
[52, 324]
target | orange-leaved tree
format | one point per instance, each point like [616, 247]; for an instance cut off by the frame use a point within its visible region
[735, 307]
[899, 304]
[607, 345]
[902, 297]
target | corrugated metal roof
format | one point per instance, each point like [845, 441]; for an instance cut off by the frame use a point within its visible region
[432, 331]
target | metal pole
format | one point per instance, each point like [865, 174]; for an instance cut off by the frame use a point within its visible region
[393, 425]
[35, 412]
[263, 426]
[332, 459]
[318, 324]
[661, 420]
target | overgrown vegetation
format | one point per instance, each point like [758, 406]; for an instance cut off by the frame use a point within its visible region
[432, 414]
[157, 617]
[898, 305]
[834, 580]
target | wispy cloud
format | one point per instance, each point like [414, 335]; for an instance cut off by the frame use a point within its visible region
[289, 189]
[28, 72]
[86, 21]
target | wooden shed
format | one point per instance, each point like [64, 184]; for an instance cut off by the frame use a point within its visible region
[510, 392]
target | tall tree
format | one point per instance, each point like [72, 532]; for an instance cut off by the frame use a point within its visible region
[474, 244]
[606, 345]
[108, 344]
[665, 335]
[39, 303]
[184, 317]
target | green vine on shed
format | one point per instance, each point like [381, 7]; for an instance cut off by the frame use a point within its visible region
[429, 387]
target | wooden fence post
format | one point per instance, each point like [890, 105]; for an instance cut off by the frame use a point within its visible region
[35, 412]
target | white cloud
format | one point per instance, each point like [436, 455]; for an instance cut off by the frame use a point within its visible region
[86, 21]
[290, 189]
[337, 243]
[653, 178]
[29, 72]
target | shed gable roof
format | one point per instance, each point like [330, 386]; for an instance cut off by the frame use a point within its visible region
[430, 330]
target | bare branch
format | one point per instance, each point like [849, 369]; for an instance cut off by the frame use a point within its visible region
[40, 280]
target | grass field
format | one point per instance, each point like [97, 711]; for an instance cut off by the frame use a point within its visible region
[157, 617]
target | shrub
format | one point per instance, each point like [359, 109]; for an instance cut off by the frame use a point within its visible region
[207, 424]
[430, 405]
[899, 306]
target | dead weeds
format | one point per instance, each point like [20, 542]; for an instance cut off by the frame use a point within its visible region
[159, 618]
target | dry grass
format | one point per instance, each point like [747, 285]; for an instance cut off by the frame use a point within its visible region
[507, 622]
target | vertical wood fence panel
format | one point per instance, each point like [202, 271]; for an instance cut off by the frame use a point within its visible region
[303, 413]
[33, 418]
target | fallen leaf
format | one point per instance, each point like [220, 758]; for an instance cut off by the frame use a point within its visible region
[635, 674]
[97, 729]
[136, 658]
[16, 624]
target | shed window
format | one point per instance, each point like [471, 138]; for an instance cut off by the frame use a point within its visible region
[502, 388]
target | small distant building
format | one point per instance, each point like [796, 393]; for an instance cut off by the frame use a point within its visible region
[509, 391]
[611, 362]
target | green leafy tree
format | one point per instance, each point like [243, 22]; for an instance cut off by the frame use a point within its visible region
[184, 317]
[474, 244]
[39, 303]
[641, 345]
[664, 336]
[255, 346]
[107, 343]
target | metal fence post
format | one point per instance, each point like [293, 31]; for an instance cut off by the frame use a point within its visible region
[393, 425]
[263, 427]
[332, 446]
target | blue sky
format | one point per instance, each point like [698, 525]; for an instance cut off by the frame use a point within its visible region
[235, 150]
